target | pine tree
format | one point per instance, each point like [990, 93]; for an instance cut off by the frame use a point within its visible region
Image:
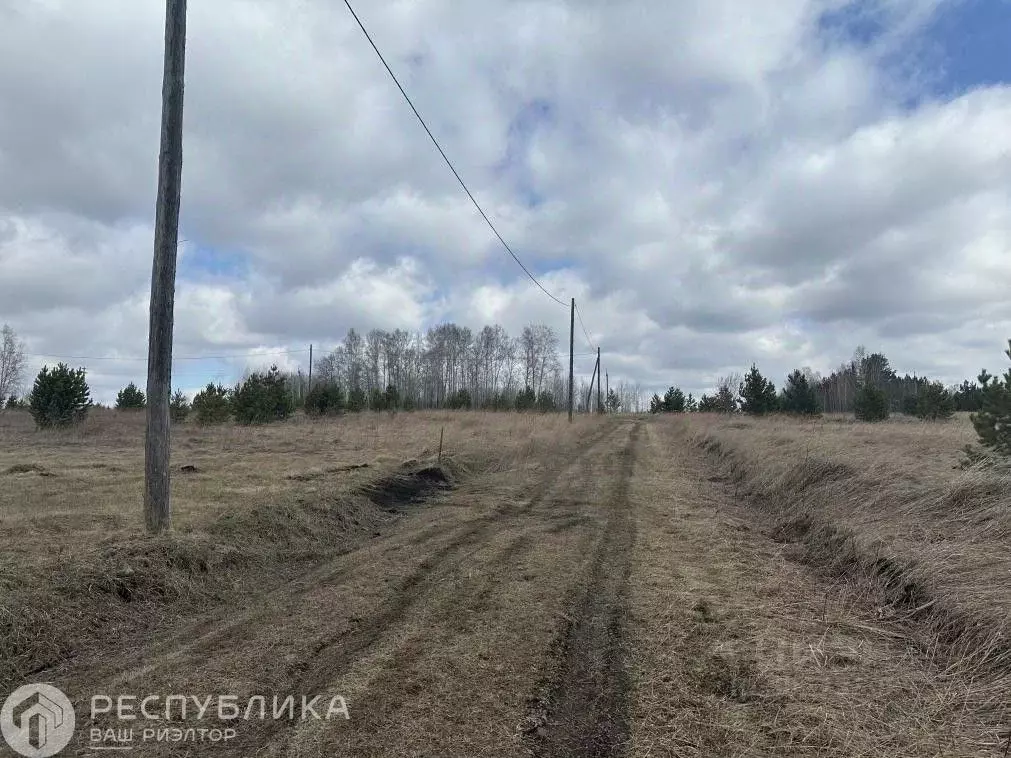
[656, 404]
[59, 397]
[262, 398]
[357, 400]
[545, 402]
[725, 401]
[758, 394]
[613, 401]
[526, 399]
[799, 397]
[708, 404]
[993, 423]
[212, 405]
[377, 400]
[130, 398]
[935, 403]
[179, 406]
[871, 403]
[674, 401]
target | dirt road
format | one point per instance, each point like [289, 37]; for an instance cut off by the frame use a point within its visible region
[618, 602]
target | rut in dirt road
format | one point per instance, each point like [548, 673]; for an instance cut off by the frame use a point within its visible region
[332, 656]
[583, 709]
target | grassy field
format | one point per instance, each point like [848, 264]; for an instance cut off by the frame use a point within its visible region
[687, 586]
[250, 505]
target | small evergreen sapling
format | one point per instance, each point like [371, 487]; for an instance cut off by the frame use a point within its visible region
[59, 397]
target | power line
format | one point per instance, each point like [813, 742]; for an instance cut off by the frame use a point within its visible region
[583, 326]
[174, 358]
[446, 158]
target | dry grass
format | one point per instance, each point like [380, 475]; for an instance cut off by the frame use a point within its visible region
[251, 505]
[719, 587]
[886, 504]
[741, 649]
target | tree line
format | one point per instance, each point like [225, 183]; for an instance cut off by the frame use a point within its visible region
[449, 366]
[866, 386]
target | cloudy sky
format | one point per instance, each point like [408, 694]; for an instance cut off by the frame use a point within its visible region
[715, 181]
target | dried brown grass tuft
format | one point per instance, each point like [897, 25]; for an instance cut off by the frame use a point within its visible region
[887, 503]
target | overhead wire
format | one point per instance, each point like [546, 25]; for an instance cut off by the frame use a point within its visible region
[447, 160]
[586, 334]
[174, 357]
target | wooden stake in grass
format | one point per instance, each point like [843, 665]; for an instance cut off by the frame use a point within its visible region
[442, 431]
[157, 511]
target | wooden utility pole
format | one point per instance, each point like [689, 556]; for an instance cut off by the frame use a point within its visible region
[157, 509]
[589, 395]
[308, 386]
[607, 391]
[599, 406]
[572, 337]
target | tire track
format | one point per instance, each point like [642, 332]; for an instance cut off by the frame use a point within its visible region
[211, 633]
[582, 709]
[332, 656]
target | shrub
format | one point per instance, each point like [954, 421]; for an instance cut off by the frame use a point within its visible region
[722, 402]
[613, 402]
[969, 396]
[13, 403]
[935, 403]
[526, 399]
[377, 399]
[545, 402]
[758, 394]
[707, 403]
[910, 405]
[871, 404]
[993, 422]
[325, 399]
[179, 406]
[212, 405]
[60, 397]
[357, 400]
[130, 398]
[262, 398]
[799, 397]
[392, 398]
[500, 402]
[459, 401]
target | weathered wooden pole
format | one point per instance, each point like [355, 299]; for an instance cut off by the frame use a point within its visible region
[157, 509]
[572, 338]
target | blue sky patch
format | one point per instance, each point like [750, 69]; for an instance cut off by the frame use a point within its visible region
[963, 47]
[210, 263]
[857, 23]
[972, 38]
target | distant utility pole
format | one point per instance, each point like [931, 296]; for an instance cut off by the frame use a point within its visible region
[308, 386]
[589, 395]
[599, 406]
[572, 336]
[157, 509]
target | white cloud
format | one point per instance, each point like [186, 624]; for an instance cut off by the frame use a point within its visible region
[715, 182]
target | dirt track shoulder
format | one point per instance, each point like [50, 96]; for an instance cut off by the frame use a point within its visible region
[738, 649]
